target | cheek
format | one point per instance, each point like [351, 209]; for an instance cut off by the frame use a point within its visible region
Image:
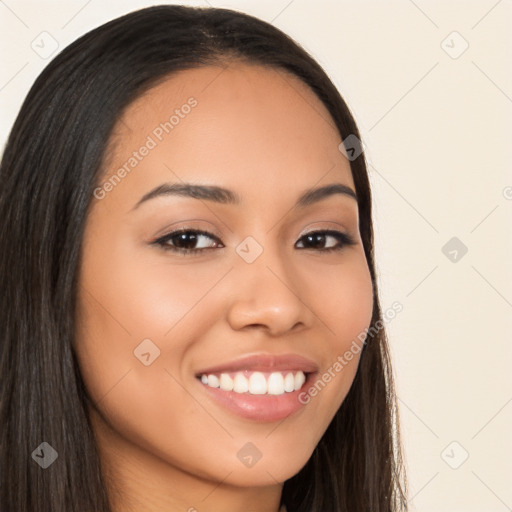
[344, 298]
[129, 295]
[156, 310]
[344, 304]
[147, 404]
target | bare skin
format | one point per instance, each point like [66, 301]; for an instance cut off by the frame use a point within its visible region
[263, 134]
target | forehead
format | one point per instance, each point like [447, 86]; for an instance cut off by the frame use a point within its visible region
[241, 125]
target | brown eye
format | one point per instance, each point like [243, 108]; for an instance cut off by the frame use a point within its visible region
[186, 241]
[319, 238]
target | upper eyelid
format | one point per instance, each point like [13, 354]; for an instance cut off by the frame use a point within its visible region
[203, 232]
[214, 232]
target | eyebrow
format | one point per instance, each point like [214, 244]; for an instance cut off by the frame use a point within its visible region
[225, 196]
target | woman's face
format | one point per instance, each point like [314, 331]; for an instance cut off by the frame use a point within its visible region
[152, 320]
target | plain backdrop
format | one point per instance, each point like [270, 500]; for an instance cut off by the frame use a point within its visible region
[430, 85]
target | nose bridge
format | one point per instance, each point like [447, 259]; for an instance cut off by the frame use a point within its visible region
[266, 290]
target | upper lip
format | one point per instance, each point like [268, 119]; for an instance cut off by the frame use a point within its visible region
[264, 363]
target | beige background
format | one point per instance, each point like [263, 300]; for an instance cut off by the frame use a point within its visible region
[437, 127]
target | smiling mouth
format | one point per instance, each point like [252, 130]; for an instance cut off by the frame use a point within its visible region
[256, 382]
[257, 395]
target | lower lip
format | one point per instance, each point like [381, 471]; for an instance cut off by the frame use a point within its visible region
[259, 407]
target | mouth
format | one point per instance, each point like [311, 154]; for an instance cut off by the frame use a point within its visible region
[259, 387]
[256, 395]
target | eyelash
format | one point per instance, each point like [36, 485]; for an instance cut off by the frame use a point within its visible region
[343, 239]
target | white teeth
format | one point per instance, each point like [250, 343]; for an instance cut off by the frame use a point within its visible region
[213, 381]
[226, 382]
[289, 382]
[275, 383]
[257, 384]
[300, 378]
[240, 384]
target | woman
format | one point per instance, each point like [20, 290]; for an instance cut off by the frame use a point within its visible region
[190, 310]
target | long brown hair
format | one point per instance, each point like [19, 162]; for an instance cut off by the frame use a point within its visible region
[51, 163]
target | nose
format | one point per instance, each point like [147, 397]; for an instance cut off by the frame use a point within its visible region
[268, 294]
